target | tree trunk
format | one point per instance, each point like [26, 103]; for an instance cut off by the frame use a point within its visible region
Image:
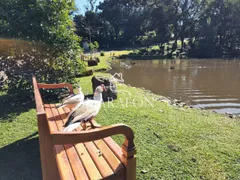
[182, 43]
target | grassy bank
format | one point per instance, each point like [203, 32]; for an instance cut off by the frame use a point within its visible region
[167, 51]
[172, 142]
[19, 149]
[108, 56]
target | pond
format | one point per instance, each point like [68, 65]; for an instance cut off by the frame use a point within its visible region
[208, 83]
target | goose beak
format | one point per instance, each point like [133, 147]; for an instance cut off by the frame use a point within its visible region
[104, 88]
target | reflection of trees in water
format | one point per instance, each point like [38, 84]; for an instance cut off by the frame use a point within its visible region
[10, 47]
[190, 80]
[20, 60]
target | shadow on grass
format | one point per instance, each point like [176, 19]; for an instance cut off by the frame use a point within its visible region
[21, 160]
[13, 105]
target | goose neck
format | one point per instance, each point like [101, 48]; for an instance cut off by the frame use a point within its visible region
[98, 96]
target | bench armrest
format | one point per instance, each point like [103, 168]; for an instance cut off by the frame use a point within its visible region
[98, 133]
[56, 86]
[38, 99]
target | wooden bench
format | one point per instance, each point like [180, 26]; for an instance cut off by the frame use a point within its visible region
[81, 154]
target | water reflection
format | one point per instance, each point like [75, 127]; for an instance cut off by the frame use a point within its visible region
[11, 47]
[210, 84]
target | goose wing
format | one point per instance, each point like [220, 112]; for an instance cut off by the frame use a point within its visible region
[84, 112]
[74, 99]
[70, 96]
[71, 127]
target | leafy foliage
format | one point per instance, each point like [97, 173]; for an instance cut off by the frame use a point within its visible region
[93, 46]
[210, 26]
[102, 53]
[52, 53]
[148, 39]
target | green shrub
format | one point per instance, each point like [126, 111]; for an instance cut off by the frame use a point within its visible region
[93, 46]
[53, 51]
[49, 67]
[154, 52]
[97, 59]
[143, 51]
[102, 53]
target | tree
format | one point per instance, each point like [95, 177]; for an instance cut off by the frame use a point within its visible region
[218, 30]
[120, 22]
[40, 22]
[211, 27]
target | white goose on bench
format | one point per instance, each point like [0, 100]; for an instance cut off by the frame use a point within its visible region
[85, 111]
[73, 99]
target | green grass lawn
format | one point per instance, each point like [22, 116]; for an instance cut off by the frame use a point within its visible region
[178, 143]
[103, 64]
[19, 149]
[172, 142]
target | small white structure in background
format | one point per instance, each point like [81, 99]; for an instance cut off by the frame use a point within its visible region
[86, 46]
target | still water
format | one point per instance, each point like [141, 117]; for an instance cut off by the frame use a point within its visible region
[209, 84]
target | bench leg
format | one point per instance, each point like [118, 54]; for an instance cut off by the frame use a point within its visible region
[48, 162]
[131, 168]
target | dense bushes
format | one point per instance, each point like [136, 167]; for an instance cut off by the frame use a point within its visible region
[53, 48]
[39, 61]
[102, 53]
[212, 26]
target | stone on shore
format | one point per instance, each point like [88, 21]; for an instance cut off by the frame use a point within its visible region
[111, 89]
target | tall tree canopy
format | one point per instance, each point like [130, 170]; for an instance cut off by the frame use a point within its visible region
[47, 24]
[211, 27]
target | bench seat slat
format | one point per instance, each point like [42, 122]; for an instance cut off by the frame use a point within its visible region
[63, 163]
[51, 121]
[114, 147]
[100, 163]
[85, 157]
[76, 164]
[62, 160]
[98, 159]
[84, 154]
[90, 160]
[112, 160]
